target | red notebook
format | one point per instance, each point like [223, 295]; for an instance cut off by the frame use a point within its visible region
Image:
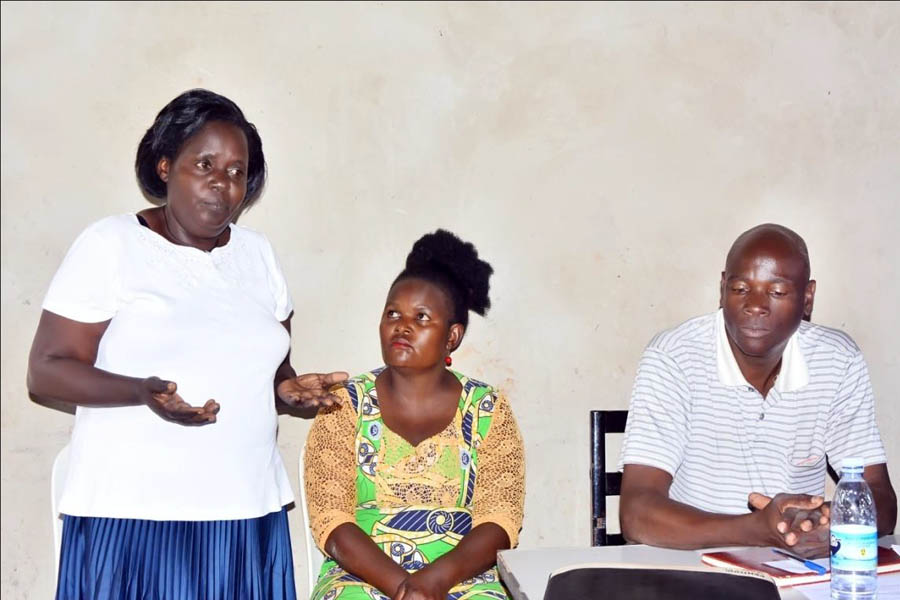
[752, 559]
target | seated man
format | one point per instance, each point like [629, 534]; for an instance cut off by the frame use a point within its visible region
[734, 413]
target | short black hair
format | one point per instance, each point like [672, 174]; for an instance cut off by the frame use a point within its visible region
[453, 265]
[177, 122]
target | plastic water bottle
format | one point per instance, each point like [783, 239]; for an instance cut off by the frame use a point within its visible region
[854, 536]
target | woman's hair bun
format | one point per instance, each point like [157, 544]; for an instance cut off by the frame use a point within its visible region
[446, 257]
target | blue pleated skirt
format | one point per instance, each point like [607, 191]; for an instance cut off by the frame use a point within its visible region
[136, 559]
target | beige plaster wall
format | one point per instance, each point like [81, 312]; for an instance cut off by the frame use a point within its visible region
[603, 157]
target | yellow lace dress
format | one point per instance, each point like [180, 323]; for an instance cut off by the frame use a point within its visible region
[415, 502]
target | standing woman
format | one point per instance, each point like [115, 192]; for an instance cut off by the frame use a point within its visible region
[417, 478]
[170, 331]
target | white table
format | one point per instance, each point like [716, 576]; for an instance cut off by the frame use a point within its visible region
[526, 572]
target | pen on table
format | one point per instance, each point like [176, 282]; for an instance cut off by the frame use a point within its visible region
[807, 563]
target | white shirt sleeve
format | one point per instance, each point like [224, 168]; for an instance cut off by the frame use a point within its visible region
[85, 288]
[852, 430]
[278, 285]
[657, 427]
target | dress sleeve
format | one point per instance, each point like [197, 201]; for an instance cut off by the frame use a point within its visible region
[500, 487]
[657, 428]
[852, 430]
[85, 287]
[330, 469]
[278, 285]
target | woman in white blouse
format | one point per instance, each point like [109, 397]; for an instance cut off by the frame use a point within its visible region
[170, 331]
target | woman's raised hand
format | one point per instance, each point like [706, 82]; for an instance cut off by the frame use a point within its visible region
[312, 390]
[160, 396]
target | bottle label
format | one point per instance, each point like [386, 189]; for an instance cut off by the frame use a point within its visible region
[854, 548]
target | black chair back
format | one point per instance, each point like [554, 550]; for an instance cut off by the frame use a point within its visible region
[604, 484]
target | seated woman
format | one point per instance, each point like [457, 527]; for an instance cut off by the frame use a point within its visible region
[418, 478]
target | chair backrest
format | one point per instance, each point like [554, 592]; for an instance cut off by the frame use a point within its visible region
[57, 481]
[314, 556]
[604, 484]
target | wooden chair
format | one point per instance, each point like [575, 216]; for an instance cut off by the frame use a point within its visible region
[604, 484]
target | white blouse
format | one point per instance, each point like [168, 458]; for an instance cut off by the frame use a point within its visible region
[210, 322]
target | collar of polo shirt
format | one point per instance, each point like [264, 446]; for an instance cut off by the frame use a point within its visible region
[794, 372]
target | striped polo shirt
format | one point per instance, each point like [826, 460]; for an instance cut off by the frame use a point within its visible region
[694, 415]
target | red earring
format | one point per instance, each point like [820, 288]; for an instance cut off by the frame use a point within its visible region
[448, 361]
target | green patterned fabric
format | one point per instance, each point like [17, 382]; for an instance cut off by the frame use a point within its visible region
[414, 536]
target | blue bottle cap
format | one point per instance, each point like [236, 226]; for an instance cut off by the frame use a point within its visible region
[852, 463]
